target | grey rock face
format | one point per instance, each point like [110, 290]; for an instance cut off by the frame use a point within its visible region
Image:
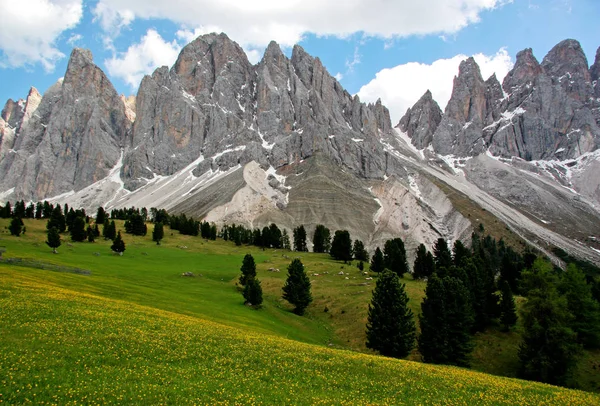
[70, 140]
[215, 110]
[421, 121]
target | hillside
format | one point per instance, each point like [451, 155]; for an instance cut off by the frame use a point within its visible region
[136, 330]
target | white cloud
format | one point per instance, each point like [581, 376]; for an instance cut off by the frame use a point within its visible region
[74, 39]
[338, 76]
[29, 30]
[253, 24]
[142, 58]
[401, 86]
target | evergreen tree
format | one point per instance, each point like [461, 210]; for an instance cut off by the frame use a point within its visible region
[549, 349]
[248, 270]
[30, 211]
[285, 239]
[100, 215]
[377, 264]
[459, 319]
[341, 247]
[39, 210]
[6, 211]
[508, 310]
[299, 234]
[96, 230]
[460, 253]
[158, 233]
[213, 232]
[57, 219]
[275, 236]
[442, 255]
[297, 287]
[394, 257]
[16, 226]
[424, 265]
[583, 307]
[77, 230]
[360, 253]
[321, 239]
[47, 211]
[91, 234]
[110, 231]
[19, 210]
[432, 341]
[391, 326]
[253, 292]
[53, 239]
[118, 244]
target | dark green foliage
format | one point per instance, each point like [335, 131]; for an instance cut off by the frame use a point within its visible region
[442, 255]
[6, 211]
[185, 225]
[460, 253]
[391, 326]
[118, 244]
[47, 210]
[424, 265]
[158, 233]
[511, 266]
[136, 225]
[508, 310]
[321, 239]
[57, 219]
[377, 264]
[582, 305]
[16, 226]
[110, 230]
[53, 240]
[394, 257]
[91, 234]
[30, 211]
[586, 267]
[77, 230]
[359, 251]
[39, 210]
[341, 247]
[213, 232]
[253, 292]
[275, 235]
[446, 320]
[100, 215]
[549, 349]
[297, 287]
[159, 216]
[285, 240]
[205, 230]
[19, 209]
[300, 239]
[248, 270]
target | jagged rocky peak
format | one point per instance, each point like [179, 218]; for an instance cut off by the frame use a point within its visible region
[467, 103]
[595, 68]
[526, 69]
[421, 121]
[567, 65]
[494, 99]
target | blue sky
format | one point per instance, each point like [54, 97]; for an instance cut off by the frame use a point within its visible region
[377, 48]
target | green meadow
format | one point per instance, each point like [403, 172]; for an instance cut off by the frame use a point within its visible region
[134, 330]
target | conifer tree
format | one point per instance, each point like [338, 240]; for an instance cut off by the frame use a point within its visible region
[394, 257]
[118, 244]
[91, 234]
[424, 264]
[391, 326]
[341, 246]
[432, 341]
[100, 215]
[110, 231]
[16, 226]
[53, 240]
[57, 219]
[442, 255]
[359, 251]
[248, 270]
[77, 229]
[377, 264]
[285, 240]
[459, 321]
[508, 310]
[158, 233]
[321, 239]
[299, 234]
[253, 292]
[460, 253]
[297, 287]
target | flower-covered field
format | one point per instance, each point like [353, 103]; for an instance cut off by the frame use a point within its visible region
[62, 346]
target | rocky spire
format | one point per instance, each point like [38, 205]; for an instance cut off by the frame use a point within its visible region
[526, 69]
[421, 121]
[567, 65]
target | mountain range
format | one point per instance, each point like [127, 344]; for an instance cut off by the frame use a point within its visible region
[281, 141]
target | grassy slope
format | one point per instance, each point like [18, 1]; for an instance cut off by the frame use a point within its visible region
[153, 280]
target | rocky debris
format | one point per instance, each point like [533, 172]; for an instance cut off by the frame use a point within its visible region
[129, 102]
[188, 274]
[421, 121]
[70, 139]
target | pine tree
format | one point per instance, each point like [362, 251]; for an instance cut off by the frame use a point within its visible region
[582, 305]
[53, 239]
[321, 239]
[549, 349]
[100, 215]
[118, 244]
[57, 219]
[424, 265]
[359, 251]
[442, 255]
[299, 234]
[158, 233]
[394, 257]
[285, 240]
[341, 247]
[248, 270]
[91, 234]
[377, 264]
[508, 310]
[460, 253]
[16, 226]
[110, 231]
[391, 326]
[432, 341]
[297, 287]
[77, 230]
[253, 292]
[459, 320]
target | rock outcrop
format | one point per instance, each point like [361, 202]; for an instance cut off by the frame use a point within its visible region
[421, 121]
